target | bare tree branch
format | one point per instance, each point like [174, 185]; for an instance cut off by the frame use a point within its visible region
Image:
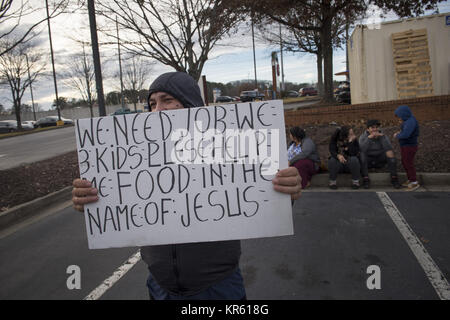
[177, 33]
[7, 14]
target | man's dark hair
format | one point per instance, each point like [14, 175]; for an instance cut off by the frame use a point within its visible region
[373, 123]
[343, 133]
[297, 133]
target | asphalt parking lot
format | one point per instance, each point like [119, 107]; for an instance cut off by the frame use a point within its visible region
[338, 236]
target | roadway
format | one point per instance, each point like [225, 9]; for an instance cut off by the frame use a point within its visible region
[338, 235]
[29, 148]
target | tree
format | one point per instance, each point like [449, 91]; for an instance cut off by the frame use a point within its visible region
[63, 103]
[136, 73]
[11, 20]
[177, 33]
[112, 98]
[14, 71]
[318, 16]
[81, 77]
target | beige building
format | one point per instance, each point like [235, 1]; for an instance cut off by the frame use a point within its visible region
[400, 59]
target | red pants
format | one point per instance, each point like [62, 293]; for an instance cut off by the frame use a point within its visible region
[408, 153]
[306, 169]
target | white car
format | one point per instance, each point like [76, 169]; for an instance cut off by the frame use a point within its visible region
[28, 125]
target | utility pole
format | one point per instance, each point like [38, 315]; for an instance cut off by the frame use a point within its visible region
[254, 55]
[31, 88]
[53, 61]
[347, 67]
[96, 58]
[88, 86]
[120, 66]
[282, 67]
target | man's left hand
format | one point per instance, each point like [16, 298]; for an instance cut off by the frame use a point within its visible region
[288, 181]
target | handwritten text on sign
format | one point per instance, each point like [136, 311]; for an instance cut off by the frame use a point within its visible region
[188, 175]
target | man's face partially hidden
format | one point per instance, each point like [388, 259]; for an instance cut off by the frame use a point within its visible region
[373, 129]
[160, 101]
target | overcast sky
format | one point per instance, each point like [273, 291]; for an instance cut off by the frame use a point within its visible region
[227, 63]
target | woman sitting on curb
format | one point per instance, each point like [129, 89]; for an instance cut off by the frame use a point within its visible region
[303, 155]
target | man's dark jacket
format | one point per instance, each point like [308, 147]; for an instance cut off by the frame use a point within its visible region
[188, 268]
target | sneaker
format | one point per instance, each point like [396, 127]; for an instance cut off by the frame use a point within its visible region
[413, 186]
[406, 183]
[333, 185]
[355, 185]
[395, 183]
[366, 183]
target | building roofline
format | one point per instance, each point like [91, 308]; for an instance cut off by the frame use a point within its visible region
[406, 19]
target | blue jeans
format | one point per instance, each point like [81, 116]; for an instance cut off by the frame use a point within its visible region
[230, 288]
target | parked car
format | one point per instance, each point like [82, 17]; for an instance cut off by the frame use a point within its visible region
[343, 95]
[29, 122]
[292, 94]
[120, 111]
[251, 96]
[7, 126]
[308, 91]
[51, 121]
[127, 111]
[236, 99]
[224, 99]
[28, 125]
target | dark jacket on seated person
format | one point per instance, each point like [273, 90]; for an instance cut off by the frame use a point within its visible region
[347, 149]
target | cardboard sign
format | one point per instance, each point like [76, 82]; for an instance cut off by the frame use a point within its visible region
[188, 175]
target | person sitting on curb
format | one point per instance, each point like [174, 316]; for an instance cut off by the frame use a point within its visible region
[344, 150]
[376, 152]
[204, 270]
[407, 138]
[303, 155]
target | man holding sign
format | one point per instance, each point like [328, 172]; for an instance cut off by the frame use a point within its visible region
[194, 270]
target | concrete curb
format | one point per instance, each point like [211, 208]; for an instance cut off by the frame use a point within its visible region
[34, 207]
[29, 209]
[383, 179]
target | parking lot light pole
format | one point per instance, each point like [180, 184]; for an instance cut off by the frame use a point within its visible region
[31, 88]
[96, 58]
[254, 55]
[120, 66]
[53, 61]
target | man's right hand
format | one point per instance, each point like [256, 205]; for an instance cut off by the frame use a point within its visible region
[83, 193]
[341, 158]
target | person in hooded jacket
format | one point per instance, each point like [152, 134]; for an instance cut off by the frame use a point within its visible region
[205, 270]
[407, 139]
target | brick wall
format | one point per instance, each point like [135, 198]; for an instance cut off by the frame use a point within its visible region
[424, 109]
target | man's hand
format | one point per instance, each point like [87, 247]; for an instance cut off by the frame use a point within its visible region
[288, 181]
[83, 193]
[341, 158]
[376, 134]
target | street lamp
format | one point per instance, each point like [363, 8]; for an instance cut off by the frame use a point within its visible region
[120, 65]
[96, 58]
[53, 61]
[31, 88]
[254, 55]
